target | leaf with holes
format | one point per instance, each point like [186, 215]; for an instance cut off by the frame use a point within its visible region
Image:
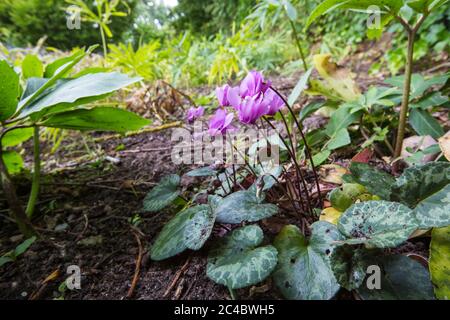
[238, 262]
[440, 262]
[376, 181]
[382, 224]
[172, 238]
[349, 265]
[304, 271]
[402, 278]
[420, 182]
[244, 206]
[163, 194]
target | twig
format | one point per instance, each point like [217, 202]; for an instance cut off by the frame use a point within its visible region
[176, 277]
[137, 270]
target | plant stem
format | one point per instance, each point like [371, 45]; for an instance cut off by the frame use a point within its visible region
[17, 212]
[233, 296]
[299, 46]
[105, 49]
[36, 175]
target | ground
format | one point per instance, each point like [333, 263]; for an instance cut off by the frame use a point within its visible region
[86, 205]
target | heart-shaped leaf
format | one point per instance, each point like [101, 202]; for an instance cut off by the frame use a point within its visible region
[440, 262]
[376, 181]
[163, 194]
[382, 224]
[349, 265]
[304, 271]
[402, 278]
[238, 262]
[420, 182]
[244, 206]
[172, 238]
[434, 211]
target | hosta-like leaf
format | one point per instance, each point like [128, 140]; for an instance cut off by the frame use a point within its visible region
[420, 182]
[199, 228]
[440, 262]
[244, 206]
[376, 181]
[9, 90]
[163, 194]
[172, 238]
[97, 119]
[76, 92]
[238, 262]
[434, 211]
[402, 278]
[304, 271]
[382, 224]
[349, 265]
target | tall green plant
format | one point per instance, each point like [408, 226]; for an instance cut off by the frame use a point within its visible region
[56, 102]
[395, 10]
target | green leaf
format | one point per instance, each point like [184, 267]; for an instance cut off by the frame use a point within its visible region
[309, 109]
[199, 228]
[14, 137]
[238, 262]
[424, 124]
[172, 238]
[440, 262]
[21, 248]
[9, 90]
[377, 182]
[244, 206]
[53, 67]
[380, 224]
[32, 67]
[402, 278]
[341, 119]
[5, 259]
[13, 161]
[202, 172]
[290, 10]
[349, 265]
[340, 139]
[321, 157]
[304, 271]
[163, 194]
[72, 93]
[300, 87]
[434, 211]
[420, 182]
[97, 119]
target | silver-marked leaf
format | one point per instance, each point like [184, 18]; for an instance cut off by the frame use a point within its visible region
[163, 194]
[419, 182]
[244, 206]
[402, 278]
[304, 271]
[172, 239]
[349, 265]
[238, 262]
[199, 228]
[202, 172]
[376, 181]
[434, 211]
[382, 224]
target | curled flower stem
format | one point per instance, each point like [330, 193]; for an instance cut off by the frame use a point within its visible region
[308, 150]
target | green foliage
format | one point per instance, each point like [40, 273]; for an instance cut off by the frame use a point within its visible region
[163, 194]
[440, 262]
[376, 181]
[9, 90]
[12, 255]
[303, 271]
[244, 206]
[238, 262]
[402, 279]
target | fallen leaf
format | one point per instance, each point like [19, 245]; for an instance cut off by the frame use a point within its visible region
[332, 173]
[444, 144]
[363, 156]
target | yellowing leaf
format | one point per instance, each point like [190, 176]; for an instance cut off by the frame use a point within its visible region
[444, 143]
[330, 215]
[332, 173]
[440, 262]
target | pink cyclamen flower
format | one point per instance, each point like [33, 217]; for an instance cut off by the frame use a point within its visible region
[274, 101]
[220, 122]
[222, 93]
[194, 113]
[253, 84]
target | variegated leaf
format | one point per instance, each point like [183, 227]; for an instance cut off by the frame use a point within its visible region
[237, 262]
[420, 182]
[304, 271]
[382, 224]
[199, 228]
[434, 211]
[376, 181]
[163, 194]
[244, 206]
